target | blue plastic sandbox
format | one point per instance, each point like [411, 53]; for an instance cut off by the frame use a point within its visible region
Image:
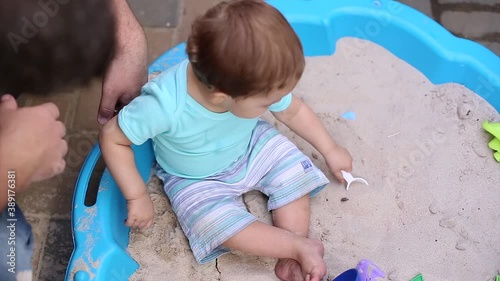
[99, 233]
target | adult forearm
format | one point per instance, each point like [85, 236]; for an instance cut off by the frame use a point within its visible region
[127, 71]
[128, 29]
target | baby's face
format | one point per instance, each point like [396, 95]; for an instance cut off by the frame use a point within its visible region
[256, 105]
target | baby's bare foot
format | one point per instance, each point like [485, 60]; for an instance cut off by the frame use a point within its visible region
[288, 270]
[310, 257]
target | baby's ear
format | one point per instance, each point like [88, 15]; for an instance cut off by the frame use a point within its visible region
[219, 97]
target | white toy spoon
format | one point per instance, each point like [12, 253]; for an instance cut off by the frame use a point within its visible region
[350, 179]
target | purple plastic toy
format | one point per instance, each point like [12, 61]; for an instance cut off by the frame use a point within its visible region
[368, 271]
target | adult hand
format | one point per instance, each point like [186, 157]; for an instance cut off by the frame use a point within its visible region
[31, 141]
[122, 82]
[127, 72]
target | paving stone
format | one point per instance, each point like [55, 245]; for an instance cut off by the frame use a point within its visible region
[24, 100]
[493, 46]
[57, 251]
[159, 41]
[485, 2]
[39, 228]
[66, 102]
[423, 6]
[50, 197]
[471, 25]
[80, 143]
[190, 10]
[156, 13]
[87, 106]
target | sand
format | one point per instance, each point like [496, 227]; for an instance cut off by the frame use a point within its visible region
[432, 206]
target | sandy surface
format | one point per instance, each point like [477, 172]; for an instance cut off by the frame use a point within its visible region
[432, 206]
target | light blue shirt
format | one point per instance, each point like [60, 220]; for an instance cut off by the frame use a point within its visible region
[189, 141]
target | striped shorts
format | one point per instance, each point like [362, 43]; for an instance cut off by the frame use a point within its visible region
[211, 210]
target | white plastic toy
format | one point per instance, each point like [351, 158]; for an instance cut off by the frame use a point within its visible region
[350, 179]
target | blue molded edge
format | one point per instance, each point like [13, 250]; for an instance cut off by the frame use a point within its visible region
[99, 234]
[405, 32]
[169, 59]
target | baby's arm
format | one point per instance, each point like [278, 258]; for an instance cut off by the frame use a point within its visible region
[304, 122]
[119, 158]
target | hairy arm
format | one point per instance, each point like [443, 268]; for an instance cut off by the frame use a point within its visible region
[127, 26]
[127, 72]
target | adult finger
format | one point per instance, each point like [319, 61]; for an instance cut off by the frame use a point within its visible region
[53, 170]
[50, 108]
[8, 102]
[64, 148]
[106, 108]
[61, 129]
[59, 167]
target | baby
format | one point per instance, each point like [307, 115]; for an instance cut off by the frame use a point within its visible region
[211, 147]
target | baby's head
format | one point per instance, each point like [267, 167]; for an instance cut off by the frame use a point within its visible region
[247, 50]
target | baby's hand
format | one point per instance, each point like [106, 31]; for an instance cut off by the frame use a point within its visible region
[140, 212]
[339, 159]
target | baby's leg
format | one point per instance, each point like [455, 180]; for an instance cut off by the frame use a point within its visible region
[261, 239]
[295, 218]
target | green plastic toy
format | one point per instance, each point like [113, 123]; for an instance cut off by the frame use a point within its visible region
[495, 144]
[498, 277]
[418, 278]
[494, 129]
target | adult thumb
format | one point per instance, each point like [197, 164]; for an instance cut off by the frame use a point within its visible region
[8, 102]
[106, 108]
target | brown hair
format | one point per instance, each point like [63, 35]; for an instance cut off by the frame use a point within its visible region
[245, 47]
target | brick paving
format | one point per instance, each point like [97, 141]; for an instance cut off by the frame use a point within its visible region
[477, 20]
[471, 25]
[48, 205]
